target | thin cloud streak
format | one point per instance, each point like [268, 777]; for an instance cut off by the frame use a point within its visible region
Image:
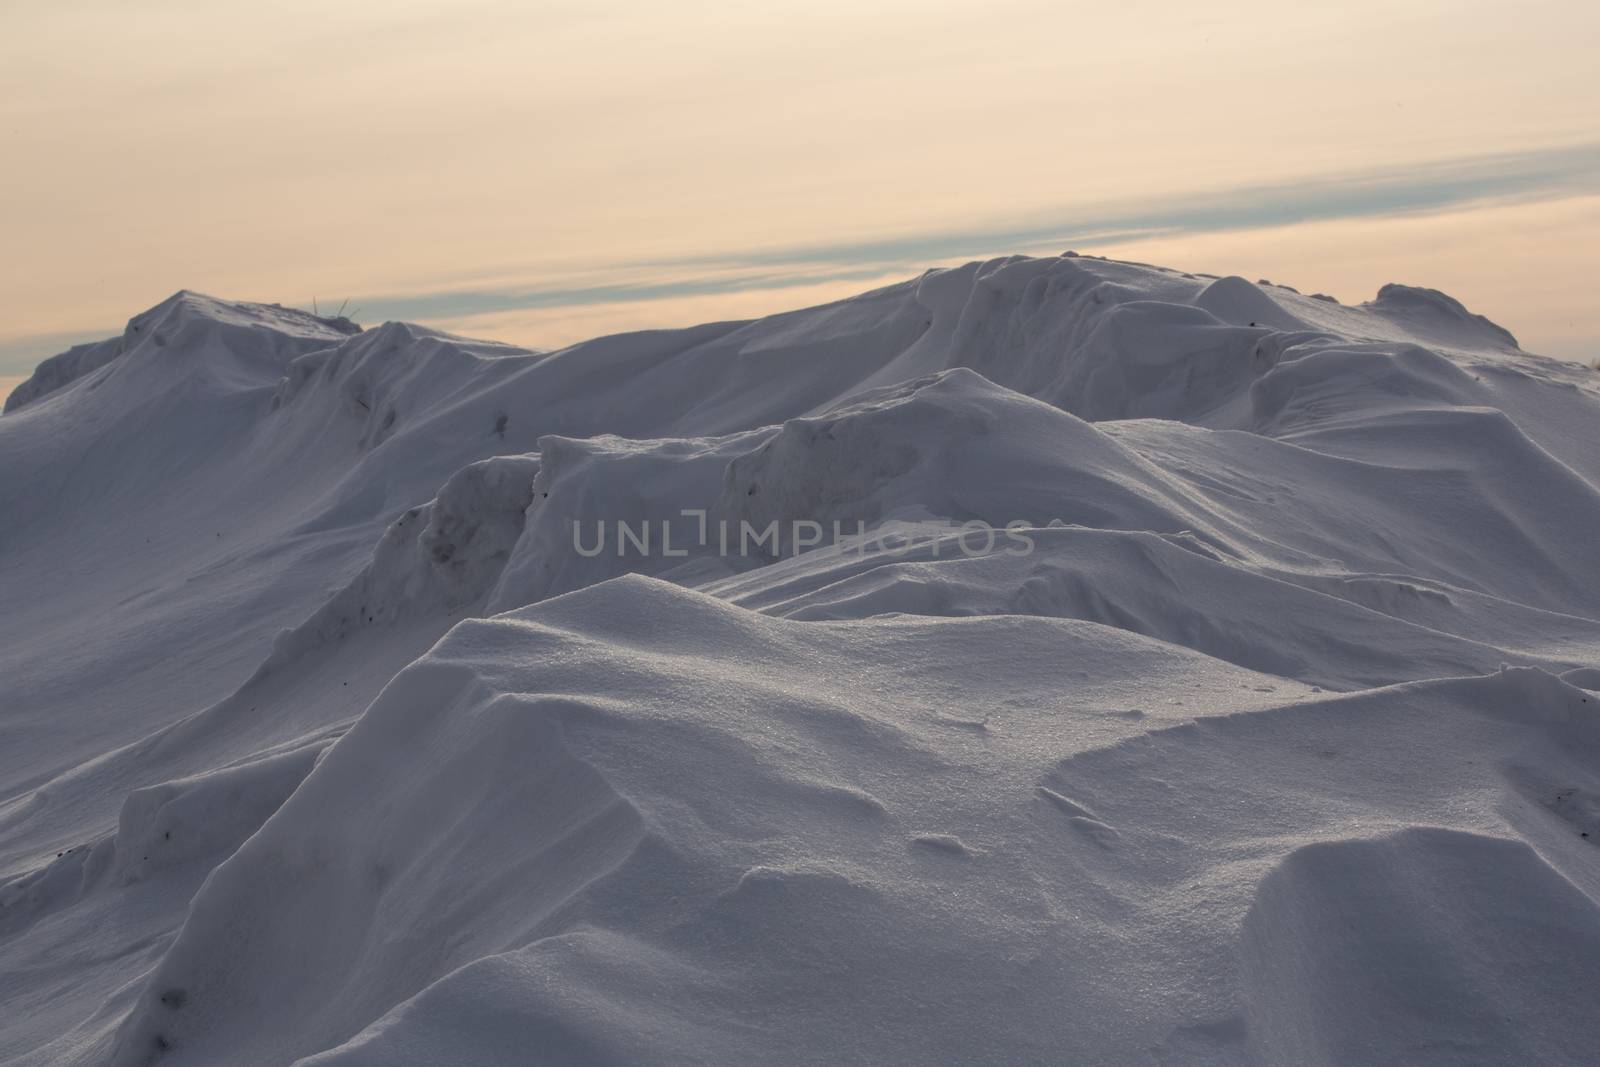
[1422, 189]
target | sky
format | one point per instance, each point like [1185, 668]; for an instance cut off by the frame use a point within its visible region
[541, 172]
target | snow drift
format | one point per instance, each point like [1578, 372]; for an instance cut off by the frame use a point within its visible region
[1176, 669]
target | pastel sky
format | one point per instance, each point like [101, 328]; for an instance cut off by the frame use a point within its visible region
[545, 171]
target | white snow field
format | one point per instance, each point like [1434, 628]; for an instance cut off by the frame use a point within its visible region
[1267, 733]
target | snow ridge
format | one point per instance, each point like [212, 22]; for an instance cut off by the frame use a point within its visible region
[328, 741]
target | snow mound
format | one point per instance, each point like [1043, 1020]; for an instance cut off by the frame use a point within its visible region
[1158, 360]
[929, 448]
[1438, 317]
[1374, 952]
[1099, 339]
[1329, 382]
[1241, 303]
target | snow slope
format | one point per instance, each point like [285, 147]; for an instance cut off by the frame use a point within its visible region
[324, 743]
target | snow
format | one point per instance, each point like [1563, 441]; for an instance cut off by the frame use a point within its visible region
[322, 742]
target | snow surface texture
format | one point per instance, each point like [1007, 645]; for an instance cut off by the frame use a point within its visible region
[322, 744]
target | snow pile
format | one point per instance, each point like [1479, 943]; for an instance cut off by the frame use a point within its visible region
[1042, 660]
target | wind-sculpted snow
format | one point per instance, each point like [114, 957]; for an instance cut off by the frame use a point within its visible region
[601, 829]
[934, 445]
[1155, 585]
[1370, 951]
[691, 784]
[585, 486]
[441, 557]
[1043, 660]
